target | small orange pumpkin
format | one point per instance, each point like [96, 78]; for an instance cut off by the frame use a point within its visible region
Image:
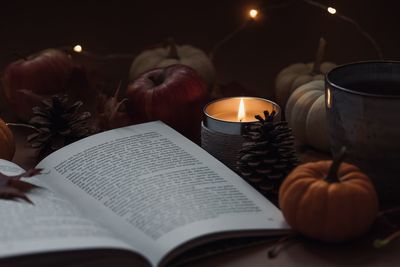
[7, 144]
[328, 201]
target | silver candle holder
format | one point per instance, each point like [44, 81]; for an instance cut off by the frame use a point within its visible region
[224, 123]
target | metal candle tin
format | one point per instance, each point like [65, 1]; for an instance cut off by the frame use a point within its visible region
[221, 131]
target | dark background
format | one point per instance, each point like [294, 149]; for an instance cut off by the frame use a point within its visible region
[253, 58]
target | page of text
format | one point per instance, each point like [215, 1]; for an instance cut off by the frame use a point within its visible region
[156, 188]
[52, 223]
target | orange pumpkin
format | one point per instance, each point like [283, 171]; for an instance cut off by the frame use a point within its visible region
[328, 201]
[7, 144]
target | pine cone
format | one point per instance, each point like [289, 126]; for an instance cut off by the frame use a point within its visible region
[267, 155]
[58, 123]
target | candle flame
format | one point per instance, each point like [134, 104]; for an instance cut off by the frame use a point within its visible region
[253, 13]
[241, 112]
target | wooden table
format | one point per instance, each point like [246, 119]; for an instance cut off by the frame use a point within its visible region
[309, 253]
[299, 252]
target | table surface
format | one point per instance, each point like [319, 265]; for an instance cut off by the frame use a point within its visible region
[297, 252]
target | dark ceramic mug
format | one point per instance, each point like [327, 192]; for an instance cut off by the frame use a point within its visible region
[363, 113]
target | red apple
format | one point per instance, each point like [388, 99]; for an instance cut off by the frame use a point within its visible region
[174, 95]
[45, 73]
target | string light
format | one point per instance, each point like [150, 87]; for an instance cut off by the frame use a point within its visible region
[253, 13]
[331, 10]
[78, 48]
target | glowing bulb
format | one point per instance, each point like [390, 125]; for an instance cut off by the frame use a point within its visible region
[331, 10]
[78, 48]
[253, 13]
[241, 112]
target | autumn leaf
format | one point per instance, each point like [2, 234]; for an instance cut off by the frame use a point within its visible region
[8, 192]
[112, 112]
[12, 187]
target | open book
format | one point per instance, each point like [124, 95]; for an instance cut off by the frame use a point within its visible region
[138, 196]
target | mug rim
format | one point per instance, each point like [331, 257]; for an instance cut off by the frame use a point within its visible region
[327, 80]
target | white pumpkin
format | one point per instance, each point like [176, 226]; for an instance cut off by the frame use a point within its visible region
[296, 75]
[174, 54]
[306, 115]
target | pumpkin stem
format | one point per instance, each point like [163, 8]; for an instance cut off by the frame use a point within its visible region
[319, 56]
[22, 125]
[333, 171]
[173, 52]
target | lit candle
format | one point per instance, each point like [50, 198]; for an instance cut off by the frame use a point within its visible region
[224, 124]
[229, 115]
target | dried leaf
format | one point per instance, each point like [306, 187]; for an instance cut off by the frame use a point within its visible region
[22, 185]
[112, 112]
[8, 192]
[29, 173]
[11, 187]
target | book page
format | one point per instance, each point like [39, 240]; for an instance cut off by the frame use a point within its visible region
[51, 224]
[156, 189]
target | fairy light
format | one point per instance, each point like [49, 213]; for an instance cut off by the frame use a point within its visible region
[331, 10]
[253, 13]
[78, 48]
